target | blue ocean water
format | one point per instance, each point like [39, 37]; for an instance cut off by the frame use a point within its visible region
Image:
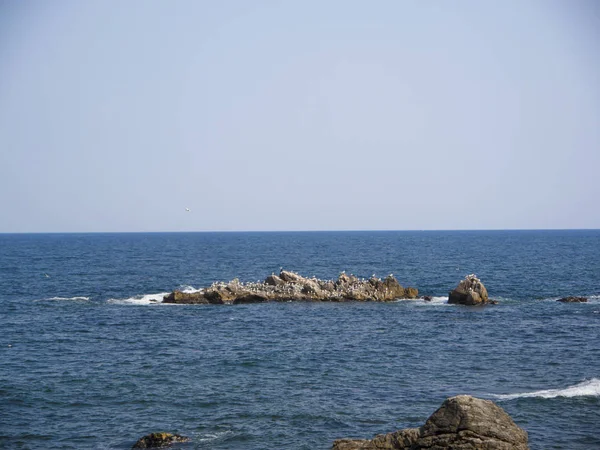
[89, 358]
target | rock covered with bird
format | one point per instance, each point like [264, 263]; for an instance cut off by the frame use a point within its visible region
[290, 286]
[470, 291]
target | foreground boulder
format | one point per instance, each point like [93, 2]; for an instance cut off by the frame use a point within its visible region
[159, 440]
[469, 291]
[572, 300]
[290, 286]
[461, 423]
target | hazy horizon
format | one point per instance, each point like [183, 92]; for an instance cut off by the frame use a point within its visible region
[277, 116]
[303, 231]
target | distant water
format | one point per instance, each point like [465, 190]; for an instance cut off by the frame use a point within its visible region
[89, 358]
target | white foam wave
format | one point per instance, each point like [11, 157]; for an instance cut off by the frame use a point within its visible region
[147, 299]
[213, 436]
[81, 298]
[420, 302]
[189, 289]
[587, 388]
[594, 299]
[438, 301]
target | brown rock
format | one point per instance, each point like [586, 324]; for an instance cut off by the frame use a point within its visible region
[469, 291]
[465, 420]
[273, 280]
[375, 282]
[159, 440]
[402, 439]
[291, 277]
[186, 298]
[344, 280]
[327, 285]
[411, 292]
[461, 423]
[219, 295]
[393, 289]
[311, 288]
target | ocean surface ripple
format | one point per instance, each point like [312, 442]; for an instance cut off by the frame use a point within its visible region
[90, 358]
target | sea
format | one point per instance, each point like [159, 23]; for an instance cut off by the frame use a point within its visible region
[91, 359]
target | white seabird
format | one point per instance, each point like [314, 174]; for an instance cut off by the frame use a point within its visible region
[188, 209]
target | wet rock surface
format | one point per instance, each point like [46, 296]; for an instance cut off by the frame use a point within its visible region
[290, 286]
[461, 423]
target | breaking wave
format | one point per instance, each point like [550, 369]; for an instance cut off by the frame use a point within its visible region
[147, 299]
[420, 302]
[69, 298]
[437, 301]
[208, 437]
[189, 289]
[587, 388]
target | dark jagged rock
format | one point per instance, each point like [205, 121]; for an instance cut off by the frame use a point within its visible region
[469, 291]
[572, 300]
[427, 298]
[290, 286]
[461, 423]
[159, 440]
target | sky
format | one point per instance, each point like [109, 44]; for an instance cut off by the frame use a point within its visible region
[299, 115]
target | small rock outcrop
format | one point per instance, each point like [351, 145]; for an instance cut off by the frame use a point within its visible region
[572, 300]
[186, 297]
[461, 423]
[290, 286]
[469, 291]
[159, 440]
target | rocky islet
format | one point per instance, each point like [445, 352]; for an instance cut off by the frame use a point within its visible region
[290, 286]
[470, 291]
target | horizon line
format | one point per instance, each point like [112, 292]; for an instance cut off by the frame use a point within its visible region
[300, 231]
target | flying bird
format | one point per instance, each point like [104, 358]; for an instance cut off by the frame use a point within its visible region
[188, 209]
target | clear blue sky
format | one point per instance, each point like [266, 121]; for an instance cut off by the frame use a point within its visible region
[299, 115]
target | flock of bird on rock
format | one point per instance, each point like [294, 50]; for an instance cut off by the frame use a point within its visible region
[290, 286]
